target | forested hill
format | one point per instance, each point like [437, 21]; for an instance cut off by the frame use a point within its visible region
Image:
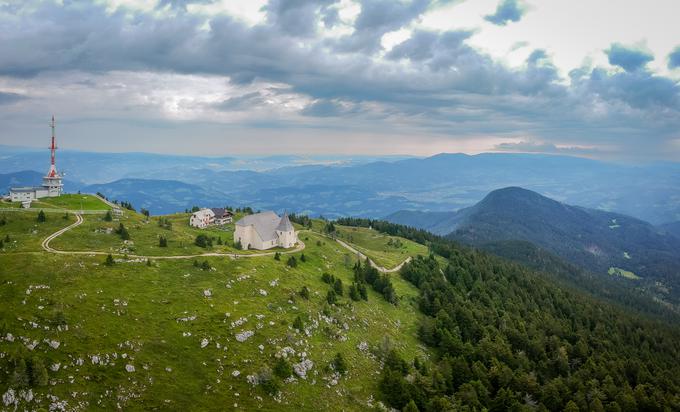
[508, 338]
[595, 240]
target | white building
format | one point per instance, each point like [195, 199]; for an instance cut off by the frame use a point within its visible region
[208, 217]
[202, 219]
[52, 185]
[264, 231]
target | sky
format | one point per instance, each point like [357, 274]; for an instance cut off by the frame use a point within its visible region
[598, 79]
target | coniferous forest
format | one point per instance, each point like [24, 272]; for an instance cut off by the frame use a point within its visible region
[509, 338]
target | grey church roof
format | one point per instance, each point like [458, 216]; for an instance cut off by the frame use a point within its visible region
[265, 224]
[285, 225]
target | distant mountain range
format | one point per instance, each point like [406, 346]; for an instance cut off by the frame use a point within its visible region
[591, 239]
[373, 187]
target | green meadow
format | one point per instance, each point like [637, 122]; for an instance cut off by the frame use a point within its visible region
[164, 334]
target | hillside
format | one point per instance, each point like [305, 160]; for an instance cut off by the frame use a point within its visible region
[671, 228]
[207, 328]
[172, 334]
[158, 196]
[592, 239]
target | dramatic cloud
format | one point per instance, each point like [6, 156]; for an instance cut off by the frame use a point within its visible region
[345, 67]
[629, 59]
[507, 11]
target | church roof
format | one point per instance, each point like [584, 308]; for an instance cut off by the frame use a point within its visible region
[284, 224]
[266, 224]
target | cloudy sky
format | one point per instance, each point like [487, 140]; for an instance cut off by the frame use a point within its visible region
[219, 77]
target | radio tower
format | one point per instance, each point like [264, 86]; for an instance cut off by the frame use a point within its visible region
[53, 150]
[52, 182]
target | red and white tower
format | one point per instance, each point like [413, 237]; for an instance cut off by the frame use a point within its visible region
[53, 151]
[52, 181]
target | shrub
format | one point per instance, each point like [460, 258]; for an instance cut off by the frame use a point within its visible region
[304, 293]
[337, 286]
[282, 368]
[38, 373]
[41, 216]
[162, 241]
[277, 256]
[205, 265]
[203, 241]
[292, 262]
[299, 324]
[339, 363]
[303, 258]
[109, 260]
[331, 297]
[328, 278]
[108, 216]
[238, 245]
[20, 376]
[354, 292]
[123, 232]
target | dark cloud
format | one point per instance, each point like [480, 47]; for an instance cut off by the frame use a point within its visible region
[433, 79]
[507, 11]
[10, 98]
[298, 17]
[674, 58]
[378, 17]
[629, 59]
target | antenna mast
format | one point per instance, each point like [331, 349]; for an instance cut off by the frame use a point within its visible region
[53, 151]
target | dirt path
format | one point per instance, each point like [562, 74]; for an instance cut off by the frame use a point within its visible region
[363, 257]
[301, 246]
[79, 220]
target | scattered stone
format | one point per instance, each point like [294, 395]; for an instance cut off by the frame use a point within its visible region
[129, 368]
[362, 346]
[263, 292]
[303, 367]
[204, 343]
[207, 293]
[244, 336]
[235, 373]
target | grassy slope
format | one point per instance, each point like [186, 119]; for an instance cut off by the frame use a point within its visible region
[26, 233]
[71, 202]
[91, 235]
[375, 245]
[147, 330]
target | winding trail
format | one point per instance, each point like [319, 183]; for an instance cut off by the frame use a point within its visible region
[79, 220]
[301, 246]
[379, 268]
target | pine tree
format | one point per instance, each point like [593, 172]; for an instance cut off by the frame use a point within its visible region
[298, 324]
[410, 407]
[340, 364]
[337, 286]
[331, 297]
[108, 216]
[38, 373]
[20, 377]
[277, 256]
[109, 260]
[292, 262]
[162, 241]
[41, 216]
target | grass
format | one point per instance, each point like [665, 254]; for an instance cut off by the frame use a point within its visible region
[622, 272]
[26, 233]
[71, 202]
[99, 235]
[384, 250]
[133, 309]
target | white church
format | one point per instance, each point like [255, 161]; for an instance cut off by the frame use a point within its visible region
[265, 230]
[52, 185]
